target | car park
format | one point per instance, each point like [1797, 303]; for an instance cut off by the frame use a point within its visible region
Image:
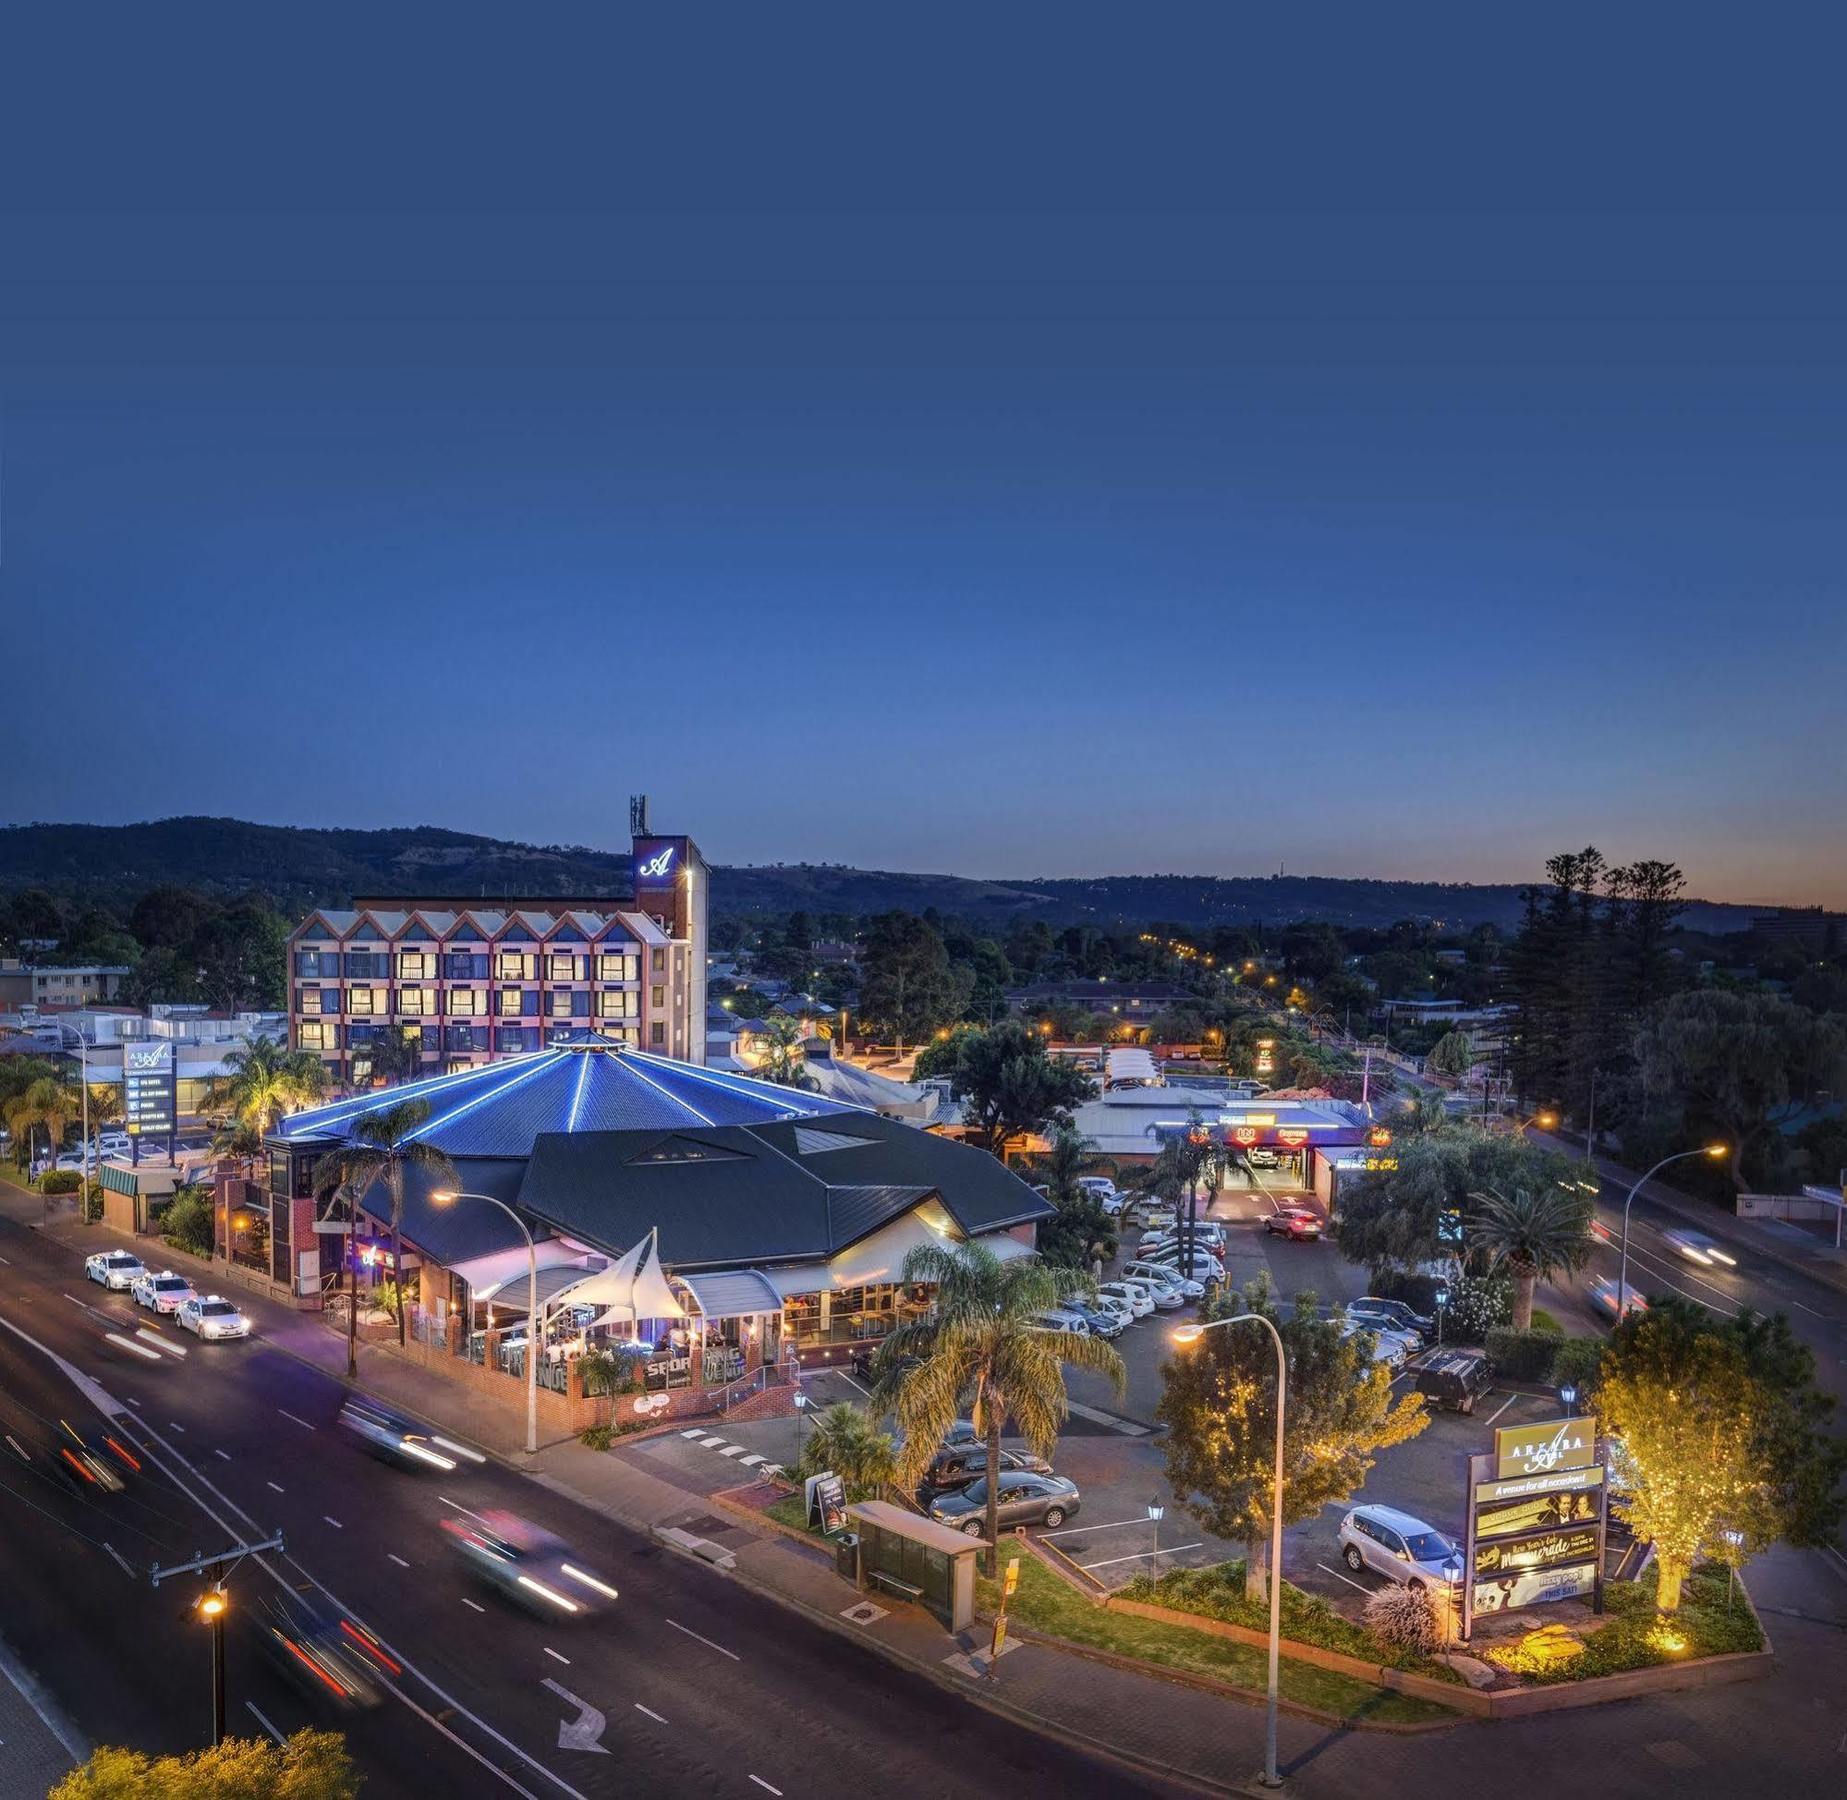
[1165, 1280]
[115, 1269]
[1024, 1499]
[212, 1317]
[391, 1436]
[1602, 1293]
[1697, 1247]
[1132, 1294]
[1294, 1222]
[1392, 1315]
[165, 1292]
[1399, 1547]
[1453, 1380]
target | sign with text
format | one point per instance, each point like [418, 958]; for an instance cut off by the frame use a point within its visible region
[1535, 1512]
[1534, 1587]
[825, 1496]
[1549, 1483]
[1549, 1550]
[1539, 1449]
[149, 1101]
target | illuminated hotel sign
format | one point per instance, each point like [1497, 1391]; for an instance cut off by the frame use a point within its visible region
[148, 1097]
[1550, 1550]
[1538, 1449]
[655, 865]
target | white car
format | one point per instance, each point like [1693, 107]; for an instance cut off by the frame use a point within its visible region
[1114, 1306]
[115, 1269]
[1108, 1195]
[1057, 1319]
[1161, 1275]
[1697, 1247]
[1162, 1294]
[1399, 1547]
[1130, 1294]
[165, 1292]
[212, 1316]
[1202, 1266]
[1387, 1346]
[1209, 1238]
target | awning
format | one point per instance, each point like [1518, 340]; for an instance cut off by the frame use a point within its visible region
[512, 1290]
[485, 1273]
[733, 1294]
[635, 1287]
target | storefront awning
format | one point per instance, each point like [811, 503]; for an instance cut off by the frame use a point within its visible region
[733, 1294]
[512, 1291]
[484, 1274]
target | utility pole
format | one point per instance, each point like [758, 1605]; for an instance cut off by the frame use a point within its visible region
[213, 1604]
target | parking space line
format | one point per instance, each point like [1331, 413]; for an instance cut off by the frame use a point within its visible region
[1348, 1579]
[1511, 1398]
[1078, 1530]
[1141, 1555]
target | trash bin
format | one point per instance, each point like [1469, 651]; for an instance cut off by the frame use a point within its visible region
[846, 1555]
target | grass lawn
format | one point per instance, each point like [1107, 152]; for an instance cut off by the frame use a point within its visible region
[791, 1510]
[14, 1179]
[1046, 1604]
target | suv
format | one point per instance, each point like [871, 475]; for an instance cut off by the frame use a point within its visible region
[1455, 1379]
[116, 1269]
[1164, 1278]
[1391, 1315]
[1294, 1222]
[1399, 1547]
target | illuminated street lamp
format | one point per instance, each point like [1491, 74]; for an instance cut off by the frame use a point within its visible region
[1156, 1513]
[801, 1425]
[1622, 1274]
[213, 1604]
[1184, 1337]
[448, 1197]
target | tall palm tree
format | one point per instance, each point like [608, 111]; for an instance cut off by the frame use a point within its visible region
[396, 1055]
[1532, 1232]
[267, 1082]
[49, 1105]
[979, 1342]
[383, 1148]
[1082, 1235]
[779, 1057]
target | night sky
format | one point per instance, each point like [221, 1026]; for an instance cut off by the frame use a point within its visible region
[1071, 448]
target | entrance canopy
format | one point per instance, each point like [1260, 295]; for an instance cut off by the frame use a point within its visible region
[733, 1294]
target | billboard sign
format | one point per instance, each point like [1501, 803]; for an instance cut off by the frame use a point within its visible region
[1534, 1587]
[1549, 1550]
[826, 1498]
[1540, 1449]
[149, 1100]
[1550, 1483]
[1535, 1512]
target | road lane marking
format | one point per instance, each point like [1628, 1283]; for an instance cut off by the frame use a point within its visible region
[722, 1651]
[23, 1457]
[303, 1423]
[175, 1425]
[1348, 1579]
[476, 1604]
[280, 1489]
[331, 1520]
[652, 1714]
[121, 1560]
[549, 1651]
[750, 1462]
[1511, 1398]
[696, 1431]
[273, 1732]
[1141, 1555]
[732, 1450]
[141, 1350]
[392, 1556]
[222, 1455]
[758, 1779]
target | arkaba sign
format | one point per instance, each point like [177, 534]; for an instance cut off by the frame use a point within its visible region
[1537, 1449]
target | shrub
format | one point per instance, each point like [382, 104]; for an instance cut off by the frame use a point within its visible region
[1523, 1355]
[595, 1437]
[1477, 1304]
[1419, 1292]
[1577, 1363]
[60, 1181]
[1544, 1321]
[187, 1222]
[1403, 1618]
[604, 1372]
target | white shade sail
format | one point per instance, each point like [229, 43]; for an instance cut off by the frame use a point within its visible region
[634, 1287]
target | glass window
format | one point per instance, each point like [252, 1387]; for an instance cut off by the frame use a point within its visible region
[514, 965]
[559, 1003]
[416, 965]
[657, 998]
[466, 1003]
[308, 1001]
[416, 1001]
[612, 965]
[615, 1006]
[657, 961]
[509, 1003]
[657, 1034]
[312, 1034]
[561, 968]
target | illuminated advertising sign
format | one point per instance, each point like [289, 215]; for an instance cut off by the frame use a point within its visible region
[1292, 1135]
[1534, 1587]
[1549, 1550]
[1378, 1138]
[1522, 1486]
[657, 862]
[148, 1097]
[1535, 1512]
[1538, 1449]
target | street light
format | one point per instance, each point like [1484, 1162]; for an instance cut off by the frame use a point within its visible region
[1184, 1337]
[448, 1197]
[1622, 1273]
[801, 1426]
[213, 1604]
[1156, 1513]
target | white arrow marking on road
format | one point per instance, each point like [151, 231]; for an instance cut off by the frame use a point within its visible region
[583, 1732]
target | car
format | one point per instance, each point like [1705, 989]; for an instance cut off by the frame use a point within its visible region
[165, 1292]
[1165, 1278]
[1392, 1315]
[91, 1463]
[1602, 1292]
[528, 1565]
[1697, 1247]
[1062, 1318]
[1399, 1547]
[1263, 1159]
[1455, 1379]
[1201, 1266]
[212, 1316]
[319, 1650]
[1132, 1294]
[1116, 1305]
[72, 1161]
[1102, 1321]
[1162, 1295]
[1386, 1348]
[391, 1436]
[1108, 1195]
[115, 1269]
[952, 1470]
[1294, 1222]
[867, 1366]
[1025, 1499]
[1207, 1237]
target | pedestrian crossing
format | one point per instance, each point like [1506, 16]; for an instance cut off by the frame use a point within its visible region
[745, 1458]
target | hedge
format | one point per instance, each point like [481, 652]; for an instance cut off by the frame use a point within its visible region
[1578, 1362]
[1523, 1355]
[60, 1181]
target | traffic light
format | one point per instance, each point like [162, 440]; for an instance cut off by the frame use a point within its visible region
[1449, 1225]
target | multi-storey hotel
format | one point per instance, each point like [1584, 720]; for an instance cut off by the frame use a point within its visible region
[467, 980]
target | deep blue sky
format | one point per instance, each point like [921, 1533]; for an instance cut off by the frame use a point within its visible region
[1079, 448]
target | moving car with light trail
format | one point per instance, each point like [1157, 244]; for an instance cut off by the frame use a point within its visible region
[93, 1462]
[528, 1565]
[392, 1437]
[1602, 1292]
[319, 1650]
[1697, 1247]
[165, 1292]
[212, 1316]
[115, 1269]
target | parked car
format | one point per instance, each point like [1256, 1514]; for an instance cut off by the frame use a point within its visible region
[1294, 1222]
[1166, 1280]
[1201, 1266]
[316, 1648]
[952, 1470]
[1132, 1294]
[1392, 1315]
[1387, 1347]
[1162, 1295]
[115, 1269]
[1025, 1499]
[165, 1292]
[1062, 1319]
[391, 1436]
[1454, 1380]
[1108, 1195]
[1697, 1247]
[1115, 1305]
[1208, 1237]
[212, 1316]
[528, 1564]
[1263, 1159]
[1399, 1547]
[1602, 1293]
[1103, 1321]
[868, 1368]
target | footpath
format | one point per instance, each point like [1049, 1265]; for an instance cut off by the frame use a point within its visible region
[1184, 1737]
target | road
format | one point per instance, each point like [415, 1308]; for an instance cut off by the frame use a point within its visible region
[700, 1682]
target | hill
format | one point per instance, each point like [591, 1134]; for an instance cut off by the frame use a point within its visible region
[301, 867]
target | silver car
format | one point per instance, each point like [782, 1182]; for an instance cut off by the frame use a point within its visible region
[1026, 1498]
[1399, 1547]
[115, 1269]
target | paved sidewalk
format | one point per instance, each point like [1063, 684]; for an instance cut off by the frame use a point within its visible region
[38, 1745]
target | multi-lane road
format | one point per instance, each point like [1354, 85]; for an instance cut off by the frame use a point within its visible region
[699, 1683]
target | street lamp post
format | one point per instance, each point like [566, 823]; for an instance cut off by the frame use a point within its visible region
[1156, 1512]
[212, 1605]
[1191, 1334]
[801, 1426]
[1622, 1272]
[448, 1197]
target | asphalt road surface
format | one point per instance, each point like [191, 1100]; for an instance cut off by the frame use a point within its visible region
[698, 1681]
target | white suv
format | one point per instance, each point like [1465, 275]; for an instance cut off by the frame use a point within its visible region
[115, 1269]
[1164, 1280]
[1399, 1547]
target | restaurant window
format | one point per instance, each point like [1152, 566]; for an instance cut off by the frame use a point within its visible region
[801, 1317]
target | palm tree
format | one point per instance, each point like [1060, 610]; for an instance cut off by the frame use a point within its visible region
[779, 1057]
[846, 1442]
[383, 1147]
[267, 1082]
[979, 1342]
[396, 1055]
[1532, 1232]
[1082, 1231]
[50, 1105]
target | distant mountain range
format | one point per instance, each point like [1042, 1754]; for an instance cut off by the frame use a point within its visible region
[300, 868]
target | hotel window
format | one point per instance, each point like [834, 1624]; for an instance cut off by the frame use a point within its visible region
[614, 966]
[511, 1003]
[308, 1002]
[562, 968]
[514, 965]
[560, 1004]
[416, 965]
[466, 1003]
[313, 1035]
[657, 1034]
[657, 998]
[615, 1006]
[657, 962]
[359, 1001]
[416, 1001]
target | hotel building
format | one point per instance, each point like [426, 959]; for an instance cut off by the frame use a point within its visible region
[469, 980]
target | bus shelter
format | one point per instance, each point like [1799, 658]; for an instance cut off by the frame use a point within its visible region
[913, 1558]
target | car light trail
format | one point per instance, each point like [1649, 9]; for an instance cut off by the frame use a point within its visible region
[551, 1594]
[589, 1581]
[428, 1456]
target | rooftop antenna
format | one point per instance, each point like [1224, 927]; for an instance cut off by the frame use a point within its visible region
[638, 815]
